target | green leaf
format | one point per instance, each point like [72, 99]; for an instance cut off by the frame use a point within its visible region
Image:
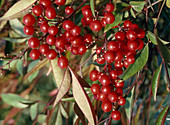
[168, 3]
[19, 9]
[20, 66]
[57, 72]
[137, 65]
[41, 118]
[132, 13]
[152, 37]
[59, 118]
[82, 99]
[33, 111]
[1, 3]
[12, 64]
[118, 20]
[126, 15]
[92, 6]
[128, 105]
[79, 113]
[64, 87]
[15, 40]
[63, 111]
[164, 51]
[14, 100]
[162, 116]
[70, 99]
[155, 81]
[137, 5]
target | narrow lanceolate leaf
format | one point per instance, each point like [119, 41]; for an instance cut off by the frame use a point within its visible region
[162, 116]
[137, 5]
[63, 111]
[132, 13]
[33, 111]
[155, 81]
[152, 37]
[36, 68]
[59, 118]
[168, 3]
[65, 85]
[92, 6]
[138, 64]
[164, 51]
[57, 72]
[79, 113]
[118, 19]
[15, 40]
[128, 105]
[14, 100]
[82, 99]
[19, 9]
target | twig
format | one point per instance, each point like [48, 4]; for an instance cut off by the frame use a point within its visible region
[105, 120]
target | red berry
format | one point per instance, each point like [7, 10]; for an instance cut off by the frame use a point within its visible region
[140, 33]
[134, 27]
[28, 30]
[37, 10]
[125, 63]
[109, 18]
[35, 54]
[69, 10]
[112, 46]
[33, 42]
[109, 56]
[119, 84]
[67, 35]
[122, 101]
[85, 7]
[132, 45]
[127, 23]
[96, 25]
[95, 88]
[140, 44]
[52, 54]
[82, 49]
[94, 75]
[131, 35]
[119, 56]
[113, 97]
[44, 49]
[87, 12]
[60, 42]
[75, 31]
[116, 115]
[51, 39]
[109, 7]
[103, 22]
[50, 13]
[119, 71]
[53, 30]
[88, 38]
[106, 106]
[119, 91]
[102, 96]
[62, 62]
[83, 21]
[45, 3]
[68, 25]
[118, 64]
[29, 19]
[77, 41]
[120, 36]
[44, 27]
[113, 74]
[131, 59]
[98, 50]
[74, 50]
[107, 68]
[105, 80]
[60, 2]
[106, 89]
[100, 60]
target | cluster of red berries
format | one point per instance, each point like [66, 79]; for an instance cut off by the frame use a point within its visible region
[118, 54]
[96, 25]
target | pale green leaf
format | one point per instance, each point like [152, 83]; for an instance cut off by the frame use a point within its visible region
[162, 116]
[59, 118]
[63, 111]
[132, 13]
[92, 6]
[168, 3]
[41, 118]
[137, 5]
[33, 111]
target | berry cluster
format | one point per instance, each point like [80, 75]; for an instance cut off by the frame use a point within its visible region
[52, 43]
[116, 56]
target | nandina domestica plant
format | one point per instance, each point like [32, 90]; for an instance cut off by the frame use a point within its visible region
[84, 62]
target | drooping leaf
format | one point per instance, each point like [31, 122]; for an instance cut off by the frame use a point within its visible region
[152, 37]
[79, 113]
[64, 87]
[132, 13]
[34, 67]
[17, 26]
[82, 99]
[41, 118]
[59, 118]
[20, 66]
[137, 5]
[129, 102]
[57, 72]
[63, 111]
[15, 40]
[33, 111]
[168, 3]
[92, 6]
[19, 9]
[155, 81]
[70, 99]
[126, 15]
[137, 65]
[162, 116]
[118, 19]
[14, 100]
[164, 51]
